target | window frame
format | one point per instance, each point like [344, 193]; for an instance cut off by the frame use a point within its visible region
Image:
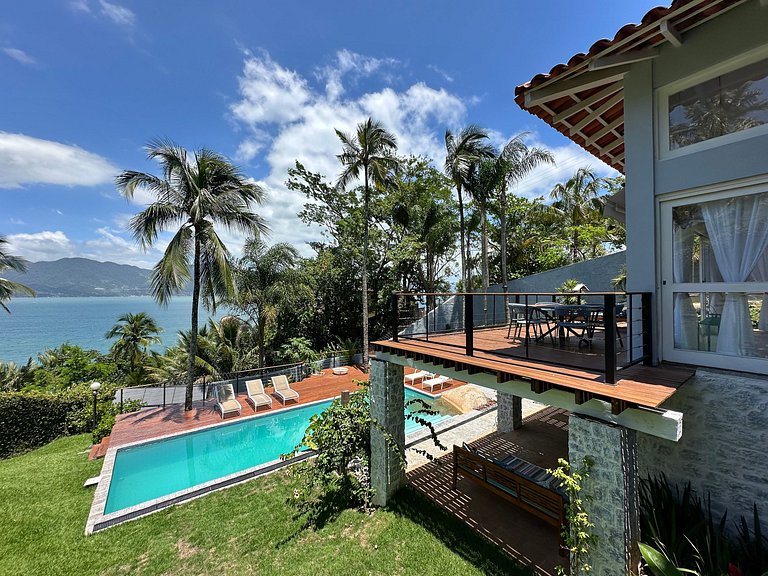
[668, 287]
[662, 105]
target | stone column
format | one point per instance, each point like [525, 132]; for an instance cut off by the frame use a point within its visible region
[388, 410]
[509, 412]
[613, 485]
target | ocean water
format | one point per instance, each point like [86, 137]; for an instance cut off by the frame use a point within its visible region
[36, 324]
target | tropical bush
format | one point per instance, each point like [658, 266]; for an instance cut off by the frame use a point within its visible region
[681, 536]
[29, 420]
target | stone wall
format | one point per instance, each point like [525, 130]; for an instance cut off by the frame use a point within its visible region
[388, 410]
[724, 443]
[612, 485]
[509, 412]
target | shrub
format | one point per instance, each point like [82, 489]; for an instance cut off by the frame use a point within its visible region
[29, 420]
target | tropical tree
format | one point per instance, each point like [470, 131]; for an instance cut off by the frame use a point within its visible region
[194, 194]
[463, 152]
[268, 281]
[7, 287]
[370, 151]
[578, 202]
[135, 333]
[510, 167]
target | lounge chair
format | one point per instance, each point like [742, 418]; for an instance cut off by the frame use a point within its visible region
[226, 400]
[436, 381]
[418, 375]
[256, 395]
[283, 389]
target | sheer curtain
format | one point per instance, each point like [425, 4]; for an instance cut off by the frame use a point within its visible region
[685, 319]
[738, 231]
[760, 274]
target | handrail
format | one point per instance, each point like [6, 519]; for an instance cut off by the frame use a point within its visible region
[589, 293]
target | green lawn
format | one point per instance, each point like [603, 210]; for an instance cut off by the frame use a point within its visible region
[244, 530]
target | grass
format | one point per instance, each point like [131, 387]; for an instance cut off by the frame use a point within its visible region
[247, 529]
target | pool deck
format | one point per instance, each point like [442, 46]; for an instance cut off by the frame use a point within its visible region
[151, 423]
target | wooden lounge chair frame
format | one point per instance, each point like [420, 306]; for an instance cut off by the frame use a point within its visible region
[256, 395]
[283, 389]
[436, 381]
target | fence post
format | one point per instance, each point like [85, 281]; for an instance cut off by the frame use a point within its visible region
[647, 329]
[163, 395]
[469, 311]
[609, 325]
[394, 315]
[121, 400]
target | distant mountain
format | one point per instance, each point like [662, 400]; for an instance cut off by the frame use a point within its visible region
[84, 277]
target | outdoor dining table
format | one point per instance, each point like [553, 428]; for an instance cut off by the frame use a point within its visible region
[561, 317]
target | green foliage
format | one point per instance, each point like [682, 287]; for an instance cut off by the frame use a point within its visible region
[577, 533]
[31, 419]
[659, 564]
[568, 287]
[752, 546]
[8, 287]
[68, 365]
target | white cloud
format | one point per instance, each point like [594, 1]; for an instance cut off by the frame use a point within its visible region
[80, 6]
[20, 56]
[118, 14]
[17, 221]
[28, 160]
[46, 245]
[440, 72]
[293, 119]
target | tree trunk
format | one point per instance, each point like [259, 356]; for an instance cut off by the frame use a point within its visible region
[503, 242]
[461, 239]
[260, 330]
[365, 272]
[193, 335]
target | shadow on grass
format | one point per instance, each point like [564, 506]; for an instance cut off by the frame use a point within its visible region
[455, 535]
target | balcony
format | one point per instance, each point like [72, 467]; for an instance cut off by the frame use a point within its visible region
[595, 344]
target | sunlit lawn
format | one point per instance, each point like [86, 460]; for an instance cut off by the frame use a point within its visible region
[244, 530]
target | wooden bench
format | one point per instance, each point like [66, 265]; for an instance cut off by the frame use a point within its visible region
[524, 484]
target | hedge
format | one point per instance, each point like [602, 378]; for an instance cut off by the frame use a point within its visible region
[31, 419]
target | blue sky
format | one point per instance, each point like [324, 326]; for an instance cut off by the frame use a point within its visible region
[87, 83]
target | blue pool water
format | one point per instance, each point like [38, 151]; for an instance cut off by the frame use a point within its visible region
[160, 468]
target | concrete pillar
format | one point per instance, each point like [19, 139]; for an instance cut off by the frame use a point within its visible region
[613, 485]
[388, 410]
[509, 412]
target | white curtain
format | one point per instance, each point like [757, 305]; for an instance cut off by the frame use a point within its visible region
[738, 231]
[760, 274]
[685, 318]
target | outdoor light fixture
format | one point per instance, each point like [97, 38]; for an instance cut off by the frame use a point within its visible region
[95, 389]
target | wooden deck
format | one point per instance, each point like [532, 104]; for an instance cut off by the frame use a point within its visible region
[154, 422]
[637, 385]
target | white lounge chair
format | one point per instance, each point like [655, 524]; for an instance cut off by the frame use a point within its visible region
[256, 395]
[436, 381]
[418, 375]
[283, 389]
[226, 400]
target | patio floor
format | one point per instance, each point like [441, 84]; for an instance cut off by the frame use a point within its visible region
[151, 423]
[534, 543]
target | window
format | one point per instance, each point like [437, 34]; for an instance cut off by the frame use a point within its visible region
[718, 290]
[722, 104]
[725, 104]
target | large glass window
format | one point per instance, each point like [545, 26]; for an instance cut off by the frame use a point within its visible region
[731, 102]
[719, 276]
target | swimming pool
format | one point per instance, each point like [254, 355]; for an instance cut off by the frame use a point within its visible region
[152, 470]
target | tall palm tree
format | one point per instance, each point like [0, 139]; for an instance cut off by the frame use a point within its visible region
[578, 202]
[135, 333]
[370, 151]
[268, 281]
[7, 287]
[512, 165]
[195, 193]
[463, 151]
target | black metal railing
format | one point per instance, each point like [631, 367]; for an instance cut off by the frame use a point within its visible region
[600, 331]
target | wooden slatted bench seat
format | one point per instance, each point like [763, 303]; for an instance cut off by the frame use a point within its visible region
[526, 485]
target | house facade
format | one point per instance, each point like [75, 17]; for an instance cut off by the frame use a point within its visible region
[678, 103]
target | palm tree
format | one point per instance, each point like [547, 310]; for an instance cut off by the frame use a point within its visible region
[370, 150]
[135, 333]
[462, 153]
[512, 165]
[194, 194]
[7, 287]
[578, 202]
[268, 282]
